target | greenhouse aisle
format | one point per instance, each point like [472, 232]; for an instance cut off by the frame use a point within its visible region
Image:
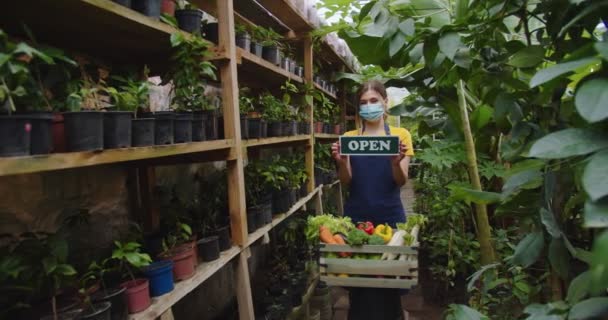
[413, 302]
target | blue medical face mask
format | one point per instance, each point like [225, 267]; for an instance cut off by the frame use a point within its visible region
[371, 111]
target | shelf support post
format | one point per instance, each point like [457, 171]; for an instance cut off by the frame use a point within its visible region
[308, 76]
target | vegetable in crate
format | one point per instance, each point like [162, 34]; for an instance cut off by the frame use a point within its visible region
[357, 237]
[385, 232]
[334, 224]
[367, 226]
[375, 240]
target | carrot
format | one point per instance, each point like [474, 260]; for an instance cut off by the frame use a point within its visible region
[326, 236]
[339, 240]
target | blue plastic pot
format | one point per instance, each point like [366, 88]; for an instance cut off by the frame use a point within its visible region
[160, 276]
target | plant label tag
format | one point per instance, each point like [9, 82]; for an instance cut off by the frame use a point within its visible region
[369, 145]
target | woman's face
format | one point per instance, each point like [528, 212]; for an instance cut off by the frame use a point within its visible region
[372, 97]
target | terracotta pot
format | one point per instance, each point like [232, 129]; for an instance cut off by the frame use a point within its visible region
[183, 262]
[337, 129]
[167, 7]
[318, 127]
[58, 133]
[190, 246]
[138, 294]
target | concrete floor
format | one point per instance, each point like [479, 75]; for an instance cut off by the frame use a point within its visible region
[413, 304]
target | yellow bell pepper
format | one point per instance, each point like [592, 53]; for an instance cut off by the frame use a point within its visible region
[384, 231]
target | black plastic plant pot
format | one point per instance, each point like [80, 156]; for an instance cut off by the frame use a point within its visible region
[98, 311]
[275, 129]
[266, 211]
[285, 64]
[281, 201]
[83, 130]
[209, 248]
[303, 190]
[163, 127]
[224, 240]
[210, 31]
[263, 129]
[254, 128]
[41, 134]
[286, 128]
[126, 3]
[251, 222]
[220, 128]
[117, 298]
[182, 127]
[211, 124]
[198, 126]
[292, 66]
[189, 20]
[256, 49]
[272, 54]
[300, 71]
[15, 136]
[243, 40]
[244, 127]
[150, 8]
[327, 128]
[293, 196]
[142, 132]
[117, 129]
[317, 80]
[260, 219]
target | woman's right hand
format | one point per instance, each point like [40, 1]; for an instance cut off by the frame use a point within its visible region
[335, 153]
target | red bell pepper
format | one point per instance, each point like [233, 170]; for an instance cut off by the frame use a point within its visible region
[367, 226]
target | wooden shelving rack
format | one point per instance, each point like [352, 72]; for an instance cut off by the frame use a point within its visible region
[111, 32]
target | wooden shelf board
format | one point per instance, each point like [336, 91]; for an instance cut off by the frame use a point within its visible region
[327, 136]
[287, 13]
[182, 288]
[257, 71]
[59, 161]
[275, 141]
[277, 219]
[336, 60]
[99, 28]
[327, 93]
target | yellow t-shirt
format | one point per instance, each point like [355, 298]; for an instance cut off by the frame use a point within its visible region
[404, 136]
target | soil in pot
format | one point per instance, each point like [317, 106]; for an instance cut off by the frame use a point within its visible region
[281, 201]
[243, 40]
[183, 262]
[210, 31]
[142, 132]
[272, 55]
[224, 240]
[117, 129]
[257, 49]
[189, 20]
[275, 129]
[15, 136]
[254, 128]
[138, 295]
[126, 3]
[211, 125]
[263, 129]
[41, 134]
[163, 127]
[160, 277]
[244, 127]
[252, 224]
[209, 248]
[84, 130]
[198, 126]
[167, 7]
[98, 311]
[118, 299]
[151, 8]
[182, 127]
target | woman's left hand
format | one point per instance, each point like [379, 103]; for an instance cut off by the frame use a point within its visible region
[396, 160]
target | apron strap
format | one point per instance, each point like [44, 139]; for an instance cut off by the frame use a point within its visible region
[387, 129]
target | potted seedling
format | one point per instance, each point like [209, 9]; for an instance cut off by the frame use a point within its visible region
[213, 207]
[179, 247]
[208, 245]
[243, 39]
[275, 177]
[210, 31]
[128, 256]
[94, 278]
[250, 120]
[257, 37]
[208, 113]
[273, 113]
[290, 127]
[167, 7]
[188, 16]
[189, 72]
[150, 8]
[272, 46]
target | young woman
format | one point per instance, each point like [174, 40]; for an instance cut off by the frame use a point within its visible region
[375, 184]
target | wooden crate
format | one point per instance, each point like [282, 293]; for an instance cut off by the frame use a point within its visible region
[400, 273]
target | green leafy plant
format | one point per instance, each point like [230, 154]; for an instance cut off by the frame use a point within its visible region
[269, 37]
[273, 108]
[181, 233]
[131, 94]
[129, 256]
[241, 29]
[189, 71]
[246, 102]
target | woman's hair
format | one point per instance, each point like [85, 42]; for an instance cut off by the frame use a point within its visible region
[374, 85]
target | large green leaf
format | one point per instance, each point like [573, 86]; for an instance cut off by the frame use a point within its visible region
[595, 176]
[579, 287]
[557, 70]
[480, 117]
[397, 42]
[528, 179]
[602, 49]
[449, 44]
[462, 312]
[527, 57]
[596, 214]
[599, 264]
[548, 220]
[407, 27]
[591, 100]
[470, 195]
[559, 257]
[568, 143]
[528, 250]
[589, 309]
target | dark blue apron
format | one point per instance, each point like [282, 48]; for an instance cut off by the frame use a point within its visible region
[374, 196]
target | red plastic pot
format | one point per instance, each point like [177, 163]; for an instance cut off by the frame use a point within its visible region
[318, 127]
[167, 7]
[337, 129]
[58, 133]
[138, 294]
[190, 246]
[183, 261]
